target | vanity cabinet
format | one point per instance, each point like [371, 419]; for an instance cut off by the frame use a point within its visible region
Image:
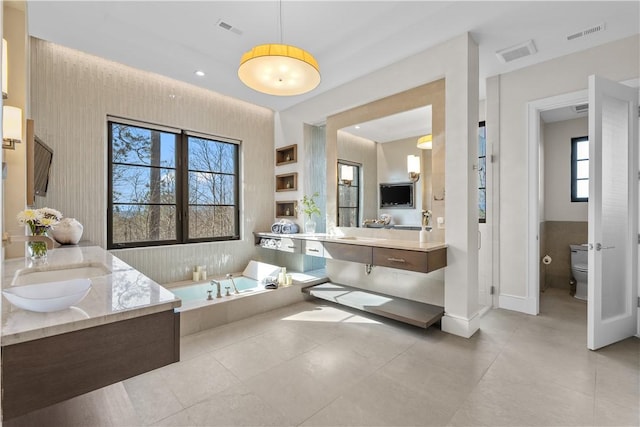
[313, 248]
[292, 246]
[423, 262]
[348, 252]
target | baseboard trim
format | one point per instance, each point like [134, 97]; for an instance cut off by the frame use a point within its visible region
[460, 326]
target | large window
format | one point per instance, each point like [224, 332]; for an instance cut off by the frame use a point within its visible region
[348, 194]
[580, 169]
[168, 186]
[482, 172]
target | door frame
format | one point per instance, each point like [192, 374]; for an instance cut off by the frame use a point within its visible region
[531, 303]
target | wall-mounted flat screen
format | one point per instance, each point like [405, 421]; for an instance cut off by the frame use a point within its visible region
[397, 195]
[42, 158]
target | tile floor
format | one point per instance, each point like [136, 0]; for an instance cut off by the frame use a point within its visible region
[316, 364]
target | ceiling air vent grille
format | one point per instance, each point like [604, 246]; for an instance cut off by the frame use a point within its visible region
[516, 52]
[228, 27]
[588, 31]
[582, 108]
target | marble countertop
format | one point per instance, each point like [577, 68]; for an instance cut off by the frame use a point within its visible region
[361, 241]
[122, 294]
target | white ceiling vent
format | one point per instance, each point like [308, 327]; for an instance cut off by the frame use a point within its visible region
[516, 52]
[228, 27]
[586, 32]
[581, 108]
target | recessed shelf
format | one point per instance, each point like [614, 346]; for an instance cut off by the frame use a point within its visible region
[286, 209]
[287, 182]
[286, 155]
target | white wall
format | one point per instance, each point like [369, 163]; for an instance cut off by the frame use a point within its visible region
[557, 171]
[616, 61]
[71, 95]
[392, 167]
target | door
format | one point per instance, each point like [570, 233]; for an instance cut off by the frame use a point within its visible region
[613, 212]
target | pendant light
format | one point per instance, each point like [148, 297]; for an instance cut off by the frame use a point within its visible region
[279, 69]
[425, 142]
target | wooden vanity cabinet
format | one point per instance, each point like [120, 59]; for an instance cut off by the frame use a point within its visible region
[348, 252]
[313, 248]
[423, 262]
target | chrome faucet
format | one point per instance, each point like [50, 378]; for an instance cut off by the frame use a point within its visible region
[230, 277]
[215, 282]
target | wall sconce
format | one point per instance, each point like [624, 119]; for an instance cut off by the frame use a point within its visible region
[11, 127]
[413, 167]
[5, 70]
[346, 174]
[425, 142]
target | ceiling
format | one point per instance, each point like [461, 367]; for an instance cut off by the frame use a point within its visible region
[348, 38]
[411, 123]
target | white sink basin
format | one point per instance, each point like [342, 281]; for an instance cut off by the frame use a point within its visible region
[48, 297]
[57, 274]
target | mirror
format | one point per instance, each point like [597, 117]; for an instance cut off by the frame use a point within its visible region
[383, 194]
[401, 119]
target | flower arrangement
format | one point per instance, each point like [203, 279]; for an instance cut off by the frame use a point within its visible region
[39, 220]
[309, 206]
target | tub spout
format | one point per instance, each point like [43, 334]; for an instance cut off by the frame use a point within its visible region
[218, 293]
[230, 277]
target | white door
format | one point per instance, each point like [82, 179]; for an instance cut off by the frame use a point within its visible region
[613, 212]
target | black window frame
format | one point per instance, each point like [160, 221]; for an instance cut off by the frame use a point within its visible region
[574, 169]
[182, 186]
[356, 173]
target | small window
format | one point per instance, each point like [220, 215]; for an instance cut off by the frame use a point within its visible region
[580, 169]
[348, 194]
[168, 186]
[482, 173]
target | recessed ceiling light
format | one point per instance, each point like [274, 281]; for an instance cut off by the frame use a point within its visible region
[199, 73]
[357, 126]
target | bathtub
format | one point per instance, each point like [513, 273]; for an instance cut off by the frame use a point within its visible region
[197, 313]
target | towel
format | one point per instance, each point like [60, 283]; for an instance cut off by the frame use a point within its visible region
[277, 228]
[289, 228]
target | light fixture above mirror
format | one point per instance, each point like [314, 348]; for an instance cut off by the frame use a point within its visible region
[413, 167]
[346, 174]
[11, 126]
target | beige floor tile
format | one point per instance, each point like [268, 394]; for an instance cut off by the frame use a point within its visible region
[608, 413]
[235, 407]
[618, 384]
[180, 419]
[151, 397]
[247, 358]
[381, 401]
[500, 403]
[293, 391]
[194, 380]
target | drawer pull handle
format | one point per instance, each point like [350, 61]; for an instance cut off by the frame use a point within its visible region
[291, 247]
[312, 250]
[396, 259]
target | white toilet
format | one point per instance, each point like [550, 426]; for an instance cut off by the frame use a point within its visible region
[580, 269]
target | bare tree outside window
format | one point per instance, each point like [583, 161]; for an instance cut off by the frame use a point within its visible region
[148, 202]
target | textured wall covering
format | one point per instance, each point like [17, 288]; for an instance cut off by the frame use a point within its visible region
[71, 95]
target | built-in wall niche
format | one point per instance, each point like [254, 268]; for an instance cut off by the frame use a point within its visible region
[286, 209]
[286, 155]
[287, 182]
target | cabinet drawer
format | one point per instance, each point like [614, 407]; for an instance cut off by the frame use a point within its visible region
[313, 248]
[423, 262]
[347, 252]
[293, 246]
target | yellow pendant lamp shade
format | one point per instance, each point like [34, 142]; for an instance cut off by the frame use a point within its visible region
[425, 142]
[279, 69]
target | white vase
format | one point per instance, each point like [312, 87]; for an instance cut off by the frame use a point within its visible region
[68, 231]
